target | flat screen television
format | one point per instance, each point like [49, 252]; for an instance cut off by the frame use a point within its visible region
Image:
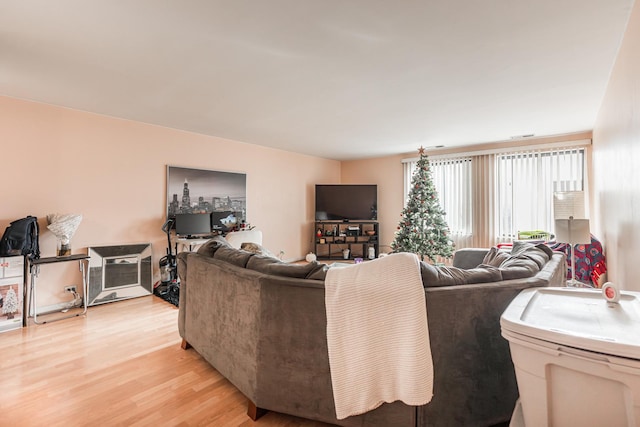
[347, 202]
[193, 224]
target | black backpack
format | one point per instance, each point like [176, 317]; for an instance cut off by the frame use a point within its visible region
[21, 238]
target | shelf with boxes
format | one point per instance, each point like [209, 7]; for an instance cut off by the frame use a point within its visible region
[346, 240]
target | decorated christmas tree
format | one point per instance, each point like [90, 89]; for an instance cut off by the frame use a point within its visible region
[423, 229]
[10, 305]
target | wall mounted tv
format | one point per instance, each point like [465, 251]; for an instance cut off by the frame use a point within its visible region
[346, 202]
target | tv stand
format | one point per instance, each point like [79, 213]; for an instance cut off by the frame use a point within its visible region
[332, 238]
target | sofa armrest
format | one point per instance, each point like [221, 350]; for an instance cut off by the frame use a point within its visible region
[181, 265]
[469, 257]
[220, 317]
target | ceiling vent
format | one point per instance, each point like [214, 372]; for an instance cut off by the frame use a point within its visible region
[529, 135]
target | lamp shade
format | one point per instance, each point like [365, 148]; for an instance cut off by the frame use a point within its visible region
[567, 204]
[573, 231]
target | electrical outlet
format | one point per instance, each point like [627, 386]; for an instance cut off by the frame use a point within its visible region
[70, 289]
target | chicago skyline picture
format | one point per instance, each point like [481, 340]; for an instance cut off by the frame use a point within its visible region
[205, 191]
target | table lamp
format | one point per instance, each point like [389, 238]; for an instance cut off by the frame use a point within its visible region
[568, 204]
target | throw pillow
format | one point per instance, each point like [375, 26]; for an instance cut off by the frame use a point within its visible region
[257, 249]
[525, 260]
[210, 247]
[495, 257]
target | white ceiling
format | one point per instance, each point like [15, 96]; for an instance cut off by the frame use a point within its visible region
[339, 79]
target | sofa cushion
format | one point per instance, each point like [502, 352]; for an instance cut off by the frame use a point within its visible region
[210, 247]
[232, 256]
[320, 273]
[525, 260]
[448, 276]
[495, 257]
[540, 253]
[269, 265]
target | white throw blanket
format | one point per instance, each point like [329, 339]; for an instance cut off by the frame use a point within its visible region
[377, 334]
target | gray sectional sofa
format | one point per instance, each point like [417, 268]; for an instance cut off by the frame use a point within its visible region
[262, 324]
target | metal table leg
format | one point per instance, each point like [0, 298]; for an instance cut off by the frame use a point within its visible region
[34, 271]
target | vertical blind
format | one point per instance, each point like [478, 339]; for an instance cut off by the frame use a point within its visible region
[526, 183]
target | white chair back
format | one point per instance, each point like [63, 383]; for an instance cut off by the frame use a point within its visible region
[237, 238]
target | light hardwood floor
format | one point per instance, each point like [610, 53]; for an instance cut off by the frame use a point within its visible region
[121, 365]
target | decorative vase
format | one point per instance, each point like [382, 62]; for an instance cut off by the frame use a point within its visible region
[63, 248]
[63, 226]
[345, 254]
[310, 257]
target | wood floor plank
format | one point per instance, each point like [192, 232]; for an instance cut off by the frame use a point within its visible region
[121, 365]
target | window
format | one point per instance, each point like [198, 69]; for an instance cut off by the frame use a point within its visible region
[525, 183]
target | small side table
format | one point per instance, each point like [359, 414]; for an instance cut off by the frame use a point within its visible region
[34, 271]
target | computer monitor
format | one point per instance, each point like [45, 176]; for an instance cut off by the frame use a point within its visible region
[192, 224]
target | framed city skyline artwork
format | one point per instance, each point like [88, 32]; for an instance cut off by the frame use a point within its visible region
[197, 191]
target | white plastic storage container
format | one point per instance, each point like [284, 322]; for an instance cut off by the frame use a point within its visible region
[576, 356]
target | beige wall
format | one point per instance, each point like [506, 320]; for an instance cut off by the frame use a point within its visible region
[113, 172]
[616, 157]
[386, 172]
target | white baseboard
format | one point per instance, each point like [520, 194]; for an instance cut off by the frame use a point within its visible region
[46, 309]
